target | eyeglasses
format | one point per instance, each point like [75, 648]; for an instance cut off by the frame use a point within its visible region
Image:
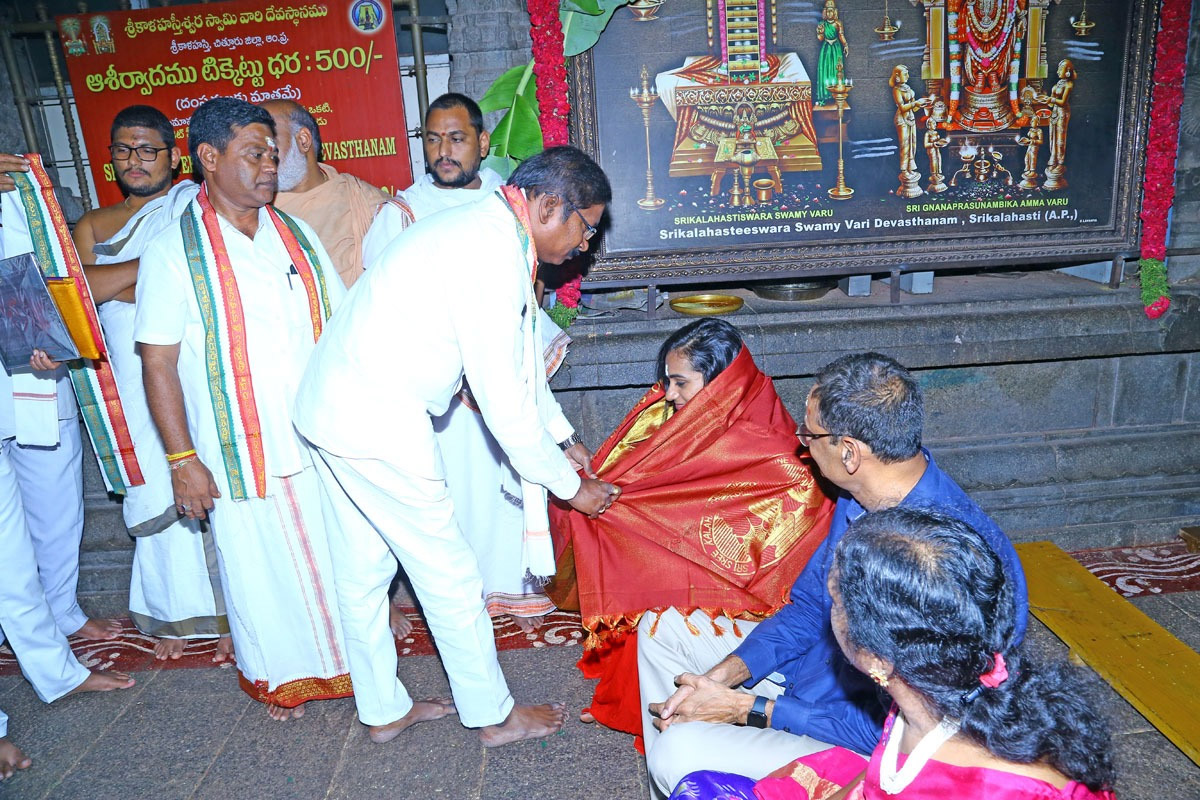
[145, 152]
[589, 230]
[806, 436]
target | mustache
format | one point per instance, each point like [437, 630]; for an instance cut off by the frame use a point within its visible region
[445, 160]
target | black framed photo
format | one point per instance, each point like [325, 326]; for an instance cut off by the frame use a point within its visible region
[751, 139]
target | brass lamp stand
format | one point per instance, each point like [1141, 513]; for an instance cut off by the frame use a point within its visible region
[840, 91]
[645, 98]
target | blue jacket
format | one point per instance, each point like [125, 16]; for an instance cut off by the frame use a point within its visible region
[824, 696]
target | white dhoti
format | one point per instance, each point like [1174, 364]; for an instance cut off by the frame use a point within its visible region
[51, 489]
[26, 620]
[487, 506]
[276, 574]
[378, 509]
[175, 588]
[687, 747]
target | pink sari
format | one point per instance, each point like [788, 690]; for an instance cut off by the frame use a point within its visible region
[818, 776]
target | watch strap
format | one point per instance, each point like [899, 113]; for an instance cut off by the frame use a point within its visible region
[757, 716]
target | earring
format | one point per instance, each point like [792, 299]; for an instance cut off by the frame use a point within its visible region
[879, 676]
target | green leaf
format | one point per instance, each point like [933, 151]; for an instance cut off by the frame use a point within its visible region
[499, 95]
[501, 164]
[519, 134]
[584, 6]
[582, 31]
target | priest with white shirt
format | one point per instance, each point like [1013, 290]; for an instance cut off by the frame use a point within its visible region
[394, 358]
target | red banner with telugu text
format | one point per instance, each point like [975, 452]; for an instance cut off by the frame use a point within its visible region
[336, 58]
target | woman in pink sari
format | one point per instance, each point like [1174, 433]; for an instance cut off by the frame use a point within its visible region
[921, 605]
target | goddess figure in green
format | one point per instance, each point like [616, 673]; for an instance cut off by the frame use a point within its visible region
[833, 50]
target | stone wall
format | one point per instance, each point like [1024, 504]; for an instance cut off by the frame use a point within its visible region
[487, 38]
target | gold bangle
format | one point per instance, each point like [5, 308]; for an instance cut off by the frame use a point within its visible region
[173, 457]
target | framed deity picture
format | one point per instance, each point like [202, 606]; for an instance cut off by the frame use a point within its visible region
[756, 139]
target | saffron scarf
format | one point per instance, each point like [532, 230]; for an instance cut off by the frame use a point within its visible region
[230, 384]
[537, 550]
[93, 380]
[718, 513]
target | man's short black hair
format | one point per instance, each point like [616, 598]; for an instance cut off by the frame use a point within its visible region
[143, 117]
[872, 398]
[567, 172]
[215, 121]
[455, 100]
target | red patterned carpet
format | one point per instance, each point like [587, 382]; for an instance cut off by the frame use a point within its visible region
[1131, 571]
[133, 651]
[1146, 570]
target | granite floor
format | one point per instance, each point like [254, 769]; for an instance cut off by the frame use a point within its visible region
[192, 733]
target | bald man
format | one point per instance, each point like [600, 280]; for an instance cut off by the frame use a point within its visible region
[339, 207]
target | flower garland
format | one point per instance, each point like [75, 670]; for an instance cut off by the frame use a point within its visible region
[550, 69]
[1158, 190]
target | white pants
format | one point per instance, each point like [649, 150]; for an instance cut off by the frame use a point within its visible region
[3, 724]
[691, 746]
[380, 511]
[25, 616]
[51, 485]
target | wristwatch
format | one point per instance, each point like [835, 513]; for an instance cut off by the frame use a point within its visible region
[569, 442]
[757, 716]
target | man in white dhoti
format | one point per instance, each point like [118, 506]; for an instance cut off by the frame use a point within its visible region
[485, 489]
[47, 458]
[385, 368]
[27, 622]
[175, 590]
[229, 303]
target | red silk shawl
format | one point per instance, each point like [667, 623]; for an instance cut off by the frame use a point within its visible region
[717, 512]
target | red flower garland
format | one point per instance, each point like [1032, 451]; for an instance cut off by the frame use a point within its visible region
[1158, 189]
[550, 69]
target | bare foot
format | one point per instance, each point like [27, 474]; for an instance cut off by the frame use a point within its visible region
[104, 682]
[525, 722]
[529, 624]
[12, 759]
[99, 629]
[399, 622]
[224, 650]
[169, 648]
[280, 714]
[586, 717]
[422, 711]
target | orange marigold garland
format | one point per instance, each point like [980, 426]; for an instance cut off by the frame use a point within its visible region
[1158, 193]
[550, 70]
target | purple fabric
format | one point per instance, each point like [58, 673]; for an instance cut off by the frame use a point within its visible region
[709, 785]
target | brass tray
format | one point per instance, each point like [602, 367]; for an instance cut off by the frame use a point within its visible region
[706, 305]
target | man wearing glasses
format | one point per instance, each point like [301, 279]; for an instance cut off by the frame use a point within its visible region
[863, 426]
[450, 300]
[481, 480]
[175, 593]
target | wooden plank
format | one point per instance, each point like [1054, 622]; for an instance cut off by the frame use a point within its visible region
[1158, 674]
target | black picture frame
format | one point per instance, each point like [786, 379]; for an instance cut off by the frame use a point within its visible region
[1105, 159]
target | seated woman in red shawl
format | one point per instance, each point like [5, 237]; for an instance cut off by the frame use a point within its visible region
[718, 511]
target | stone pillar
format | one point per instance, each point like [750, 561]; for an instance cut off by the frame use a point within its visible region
[487, 38]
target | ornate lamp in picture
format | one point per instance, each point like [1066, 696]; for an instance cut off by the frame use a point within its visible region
[645, 10]
[840, 91]
[646, 97]
[888, 30]
[1083, 26]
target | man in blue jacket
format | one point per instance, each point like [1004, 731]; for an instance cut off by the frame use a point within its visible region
[784, 690]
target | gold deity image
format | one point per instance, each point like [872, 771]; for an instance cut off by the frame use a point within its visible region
[986, 62]
[741, 108]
